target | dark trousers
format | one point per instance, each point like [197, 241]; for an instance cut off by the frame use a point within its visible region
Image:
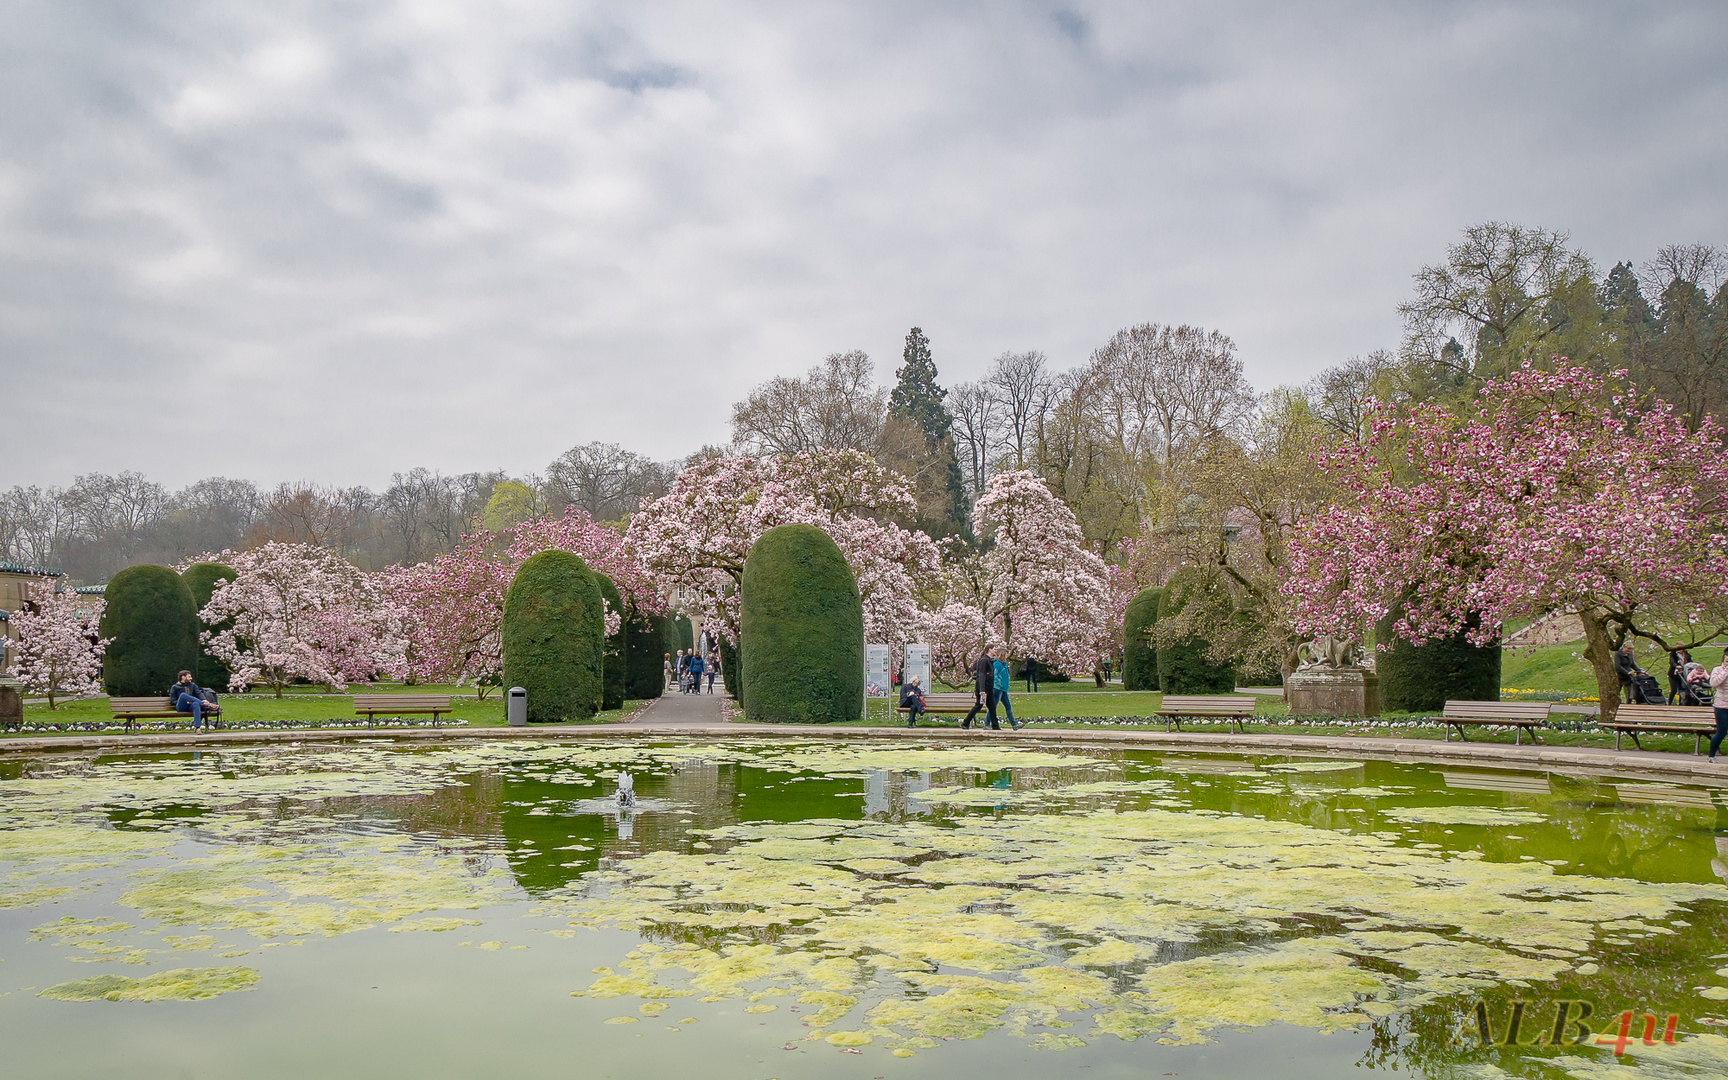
[1675, 688]
[984, 698]
[1626, 689]
[1721, 730]
[914, 709]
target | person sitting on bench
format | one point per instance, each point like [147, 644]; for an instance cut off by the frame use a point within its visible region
[186, 697]
[912, 700]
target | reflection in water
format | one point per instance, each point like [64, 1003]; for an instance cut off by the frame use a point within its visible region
[900, 898]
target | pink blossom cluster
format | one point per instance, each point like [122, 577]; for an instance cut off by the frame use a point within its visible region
[1553, 492]
[453, 605]
[700, 532]
[296, 611]
[59, 652]
[1039, 586]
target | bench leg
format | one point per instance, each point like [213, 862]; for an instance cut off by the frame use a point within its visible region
[1635, 741]
[1616, 739]
[1517, 734]
[1697, 742]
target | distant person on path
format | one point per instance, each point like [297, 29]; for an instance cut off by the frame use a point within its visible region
[983, 689]
[713, 669]
[666, 673]
[1718, 680]
[1626, 669]
[912, 700]
[188, 698]
[696, 666]
[1106, 671]
[1677, 661]
[999, 675]
[1030, 672]
[682, 664]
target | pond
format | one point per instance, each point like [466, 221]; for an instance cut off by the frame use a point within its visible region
[846, 909]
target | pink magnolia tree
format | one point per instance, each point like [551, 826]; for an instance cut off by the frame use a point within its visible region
[59, 650]
[700, 532]
[1040, 587]
[1553, 492]
[295, 611]
[453, 606]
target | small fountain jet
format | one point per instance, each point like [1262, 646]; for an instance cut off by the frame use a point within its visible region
[626, 790]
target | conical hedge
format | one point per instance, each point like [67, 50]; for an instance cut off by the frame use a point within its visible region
[554, 637]
[1422, 678]
[643, 653]
[1183, 668]
[1139, 659]
[615, 659]
[202, 578]
[151, 616]
[802, 630]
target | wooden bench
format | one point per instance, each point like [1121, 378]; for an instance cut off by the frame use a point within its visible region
[1694, 720]
[1521, 716]
[134, 709]
[371, 705]
[960, 702]
[1174, 708]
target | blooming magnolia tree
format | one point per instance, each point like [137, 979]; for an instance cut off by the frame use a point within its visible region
[1042, 590]
[453, 605]
[59, 651]
[1552, 493]
[699, 533]
[295, 611]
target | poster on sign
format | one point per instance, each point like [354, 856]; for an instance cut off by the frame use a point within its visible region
[877, 680]
[918, 665]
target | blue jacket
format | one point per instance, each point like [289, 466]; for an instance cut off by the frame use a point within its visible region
[1000, 679]
[697, 664]
[178, 690]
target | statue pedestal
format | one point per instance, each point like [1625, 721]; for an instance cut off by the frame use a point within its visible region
[1329, 691]
[11, 702]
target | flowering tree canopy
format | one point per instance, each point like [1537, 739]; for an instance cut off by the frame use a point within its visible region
[699, 533]
[295, 611]
[59, 651]
[1044, 592]
[453, 605]
[1552, 493]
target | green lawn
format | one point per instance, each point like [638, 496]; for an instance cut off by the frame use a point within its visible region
[302, 706]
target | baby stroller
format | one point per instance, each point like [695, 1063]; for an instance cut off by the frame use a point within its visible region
[1695, 686]
[1646, 691]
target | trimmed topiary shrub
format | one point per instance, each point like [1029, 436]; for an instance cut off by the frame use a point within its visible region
[1183, 668]
[678, 635]
[615, 655]
[1421, 678]
[151, 616]
[731, 674]
[554, 637]
[202, 579]
[802, 630]
[1139, 659]
[643, 641]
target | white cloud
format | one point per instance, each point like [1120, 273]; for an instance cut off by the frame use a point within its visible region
[353, 240]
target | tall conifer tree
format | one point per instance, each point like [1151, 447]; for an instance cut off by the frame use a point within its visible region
[918, 398]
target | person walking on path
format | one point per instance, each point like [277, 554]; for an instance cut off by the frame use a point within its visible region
[1030, 671]
[1719, 680]
[1677, 661]
[999, 675]
[713, 669]
[1626, 669]
[983, 689]
[666, 673]
[696, 666]
[912, 700]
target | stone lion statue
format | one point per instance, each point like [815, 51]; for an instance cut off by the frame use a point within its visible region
[1327, 651]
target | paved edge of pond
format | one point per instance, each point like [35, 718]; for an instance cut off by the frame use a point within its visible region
[1481, 754]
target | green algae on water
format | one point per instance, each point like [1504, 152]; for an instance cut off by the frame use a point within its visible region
[181, 984]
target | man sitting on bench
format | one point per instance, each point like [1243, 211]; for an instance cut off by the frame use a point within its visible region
[912, 700]
[186, 697]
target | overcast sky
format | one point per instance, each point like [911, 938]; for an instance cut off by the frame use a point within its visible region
[330, 241]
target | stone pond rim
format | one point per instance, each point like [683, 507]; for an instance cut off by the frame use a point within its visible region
[1690, 768]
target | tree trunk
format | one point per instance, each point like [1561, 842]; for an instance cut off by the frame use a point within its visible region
[1599, 651]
